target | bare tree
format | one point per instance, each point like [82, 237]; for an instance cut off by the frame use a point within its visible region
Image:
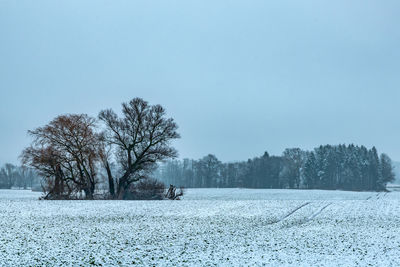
[141, 138]
[47, 162]
[294, 161]
[66, 151]
[10, 174]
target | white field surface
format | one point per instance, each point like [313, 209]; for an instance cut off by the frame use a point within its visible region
[224, 227]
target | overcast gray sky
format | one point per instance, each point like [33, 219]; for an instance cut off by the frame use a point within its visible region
[239, 77]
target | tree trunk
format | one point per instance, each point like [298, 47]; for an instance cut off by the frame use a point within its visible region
[123, 185]
[110, 181]
[120, 191]
[88, 193]
[56, 188]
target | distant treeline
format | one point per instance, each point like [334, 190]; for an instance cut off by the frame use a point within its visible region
[12, 176]
[327, 167]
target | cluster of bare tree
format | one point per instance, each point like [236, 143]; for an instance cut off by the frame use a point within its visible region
[73, 151]
[12, 176]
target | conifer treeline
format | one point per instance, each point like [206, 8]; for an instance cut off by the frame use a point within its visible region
[327, 167]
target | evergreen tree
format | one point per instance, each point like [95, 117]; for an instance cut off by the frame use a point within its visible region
[311, 171]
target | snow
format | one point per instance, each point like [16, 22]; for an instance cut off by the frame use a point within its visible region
[237, 227]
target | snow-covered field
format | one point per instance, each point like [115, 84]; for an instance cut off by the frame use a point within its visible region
[224, 227]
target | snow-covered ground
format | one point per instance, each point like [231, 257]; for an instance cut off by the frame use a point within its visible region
[224, 227]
